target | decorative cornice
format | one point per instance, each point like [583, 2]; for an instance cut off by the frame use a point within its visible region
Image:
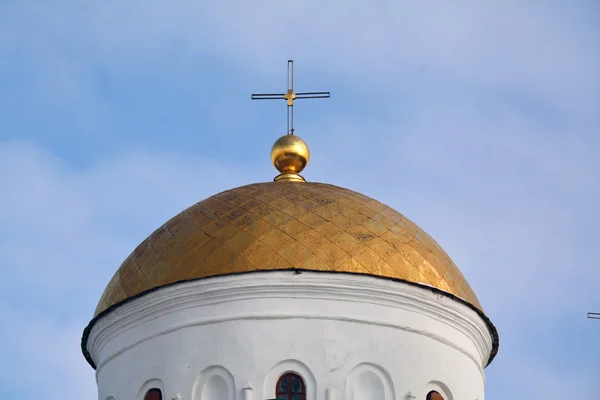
[424, 300]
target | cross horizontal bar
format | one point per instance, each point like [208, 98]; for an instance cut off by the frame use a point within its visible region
[265, 96]
[593, 315]
[312, 97]
[313, 93]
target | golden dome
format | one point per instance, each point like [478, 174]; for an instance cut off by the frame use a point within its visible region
[290, 155]
[286, 225]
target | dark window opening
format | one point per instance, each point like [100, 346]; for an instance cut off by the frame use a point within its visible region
[433, 395]
[291, 386]
[153, 394]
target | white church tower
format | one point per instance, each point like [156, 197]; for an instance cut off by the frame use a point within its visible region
[289, 290]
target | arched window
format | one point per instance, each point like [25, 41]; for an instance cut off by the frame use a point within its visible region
[153, 394]
[433, 395]
[291, 387]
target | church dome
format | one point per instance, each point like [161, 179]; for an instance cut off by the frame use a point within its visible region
[286, 225]
[290, 289]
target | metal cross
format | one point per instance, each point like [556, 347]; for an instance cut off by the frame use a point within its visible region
[290, 96]
[593, 315]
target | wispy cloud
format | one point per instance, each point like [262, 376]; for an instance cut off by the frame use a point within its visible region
[45, 357]
[63, 232]
[478, 121]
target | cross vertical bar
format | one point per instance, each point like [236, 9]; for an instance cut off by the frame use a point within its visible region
[290, 96]
[291, 131]
[290, 93]
[288, 127]
[291, 75]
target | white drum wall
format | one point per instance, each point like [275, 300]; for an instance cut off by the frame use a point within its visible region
[350, 337]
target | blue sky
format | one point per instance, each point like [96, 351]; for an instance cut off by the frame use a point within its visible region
[480, 121]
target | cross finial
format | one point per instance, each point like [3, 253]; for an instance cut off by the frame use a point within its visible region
[290, 96]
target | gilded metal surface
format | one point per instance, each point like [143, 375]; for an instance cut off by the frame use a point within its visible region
[289, 177]
[290, 155]
[290, 96]
[285, 225]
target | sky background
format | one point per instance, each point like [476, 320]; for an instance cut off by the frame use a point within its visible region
[478, 120]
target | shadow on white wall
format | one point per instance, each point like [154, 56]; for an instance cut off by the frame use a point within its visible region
[214, 383]
[369, 382]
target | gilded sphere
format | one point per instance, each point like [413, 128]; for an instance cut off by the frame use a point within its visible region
[290, 154]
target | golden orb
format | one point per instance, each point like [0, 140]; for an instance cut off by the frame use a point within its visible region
[290, 155]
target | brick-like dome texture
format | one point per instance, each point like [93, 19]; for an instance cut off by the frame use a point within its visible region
[286, 225]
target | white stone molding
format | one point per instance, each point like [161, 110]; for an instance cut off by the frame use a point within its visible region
[150, 384]
[377, 375]
[467, 332]
[168, 301]
[328, 328]
[295, 366]
[247, 393]
[207, 376]
[331, 394]
[439, 387]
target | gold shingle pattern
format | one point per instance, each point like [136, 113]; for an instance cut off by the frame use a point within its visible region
[285, 225]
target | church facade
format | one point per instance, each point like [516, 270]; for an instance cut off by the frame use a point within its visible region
[289, 290]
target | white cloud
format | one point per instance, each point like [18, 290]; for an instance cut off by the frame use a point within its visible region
[515, 239]
[61, 225]
[510, 200]
[43, 357]
[537, 380]
[63, 233]
[510, 46]
[477, 121]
